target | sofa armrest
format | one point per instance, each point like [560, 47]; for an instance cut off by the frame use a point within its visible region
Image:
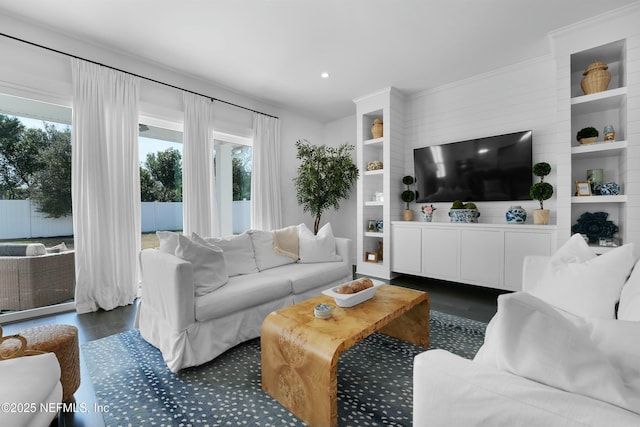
[167, 287]
[343, 248]
[532, 268]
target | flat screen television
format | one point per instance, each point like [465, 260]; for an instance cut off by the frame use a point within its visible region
[485, 169]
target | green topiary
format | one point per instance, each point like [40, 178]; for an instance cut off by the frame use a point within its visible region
[588, 132]
[470, 205]
[541, 191]
[457, 205]
[408, 195]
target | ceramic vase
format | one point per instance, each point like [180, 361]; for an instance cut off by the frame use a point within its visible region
[516, 215]
[376, 129]
[427, 217]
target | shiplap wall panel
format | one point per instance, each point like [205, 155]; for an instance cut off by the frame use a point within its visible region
[511, 99]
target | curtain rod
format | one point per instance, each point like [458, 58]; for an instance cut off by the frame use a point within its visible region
[134, 74]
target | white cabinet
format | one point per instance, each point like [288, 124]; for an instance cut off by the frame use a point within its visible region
[481, 256]
[488, 255]
[406, 247]
[439, 252]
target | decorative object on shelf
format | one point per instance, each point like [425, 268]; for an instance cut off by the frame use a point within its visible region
[379, 225]
[610, 189]
[587, 135]
[371, 257]
[325, 177]
[583, 188]
[609, 242]
[372, 228]
[464, 212]
[596, 78]
[427, 212]
[596, 177]
[378, 196]
[541, 191]
[595, 226]
[609, 133]
[408, 196]
[376, 129]
[375, 165]
[516, 215]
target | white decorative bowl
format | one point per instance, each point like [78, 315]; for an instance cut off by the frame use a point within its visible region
[349, 300]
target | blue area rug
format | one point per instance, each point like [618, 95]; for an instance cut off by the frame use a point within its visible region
[374, 381]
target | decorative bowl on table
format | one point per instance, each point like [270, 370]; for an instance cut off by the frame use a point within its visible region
[355, 298]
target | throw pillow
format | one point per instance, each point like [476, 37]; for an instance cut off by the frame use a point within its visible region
[168, 241]
[266, 256]
[629, 308]
[238, 252]
[209, 269]
[587, 288]
[318, 248]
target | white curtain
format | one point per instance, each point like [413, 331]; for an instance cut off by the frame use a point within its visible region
[199, 211]
[105, 183]
[266, 210]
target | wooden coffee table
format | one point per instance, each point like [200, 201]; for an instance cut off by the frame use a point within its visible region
[300, 352]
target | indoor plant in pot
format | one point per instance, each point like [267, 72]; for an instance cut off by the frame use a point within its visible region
[325, 177]
[587, 135]
[464, 212]
[541, 191]
[408, 196]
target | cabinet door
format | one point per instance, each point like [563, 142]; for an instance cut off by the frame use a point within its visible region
[481, 257]
[440, 253]
[517, 245]
[406, 249]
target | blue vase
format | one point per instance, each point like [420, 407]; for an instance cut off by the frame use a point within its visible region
[610, 189]
[516, 215]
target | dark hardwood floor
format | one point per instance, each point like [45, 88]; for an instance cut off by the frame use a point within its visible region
[463, 300]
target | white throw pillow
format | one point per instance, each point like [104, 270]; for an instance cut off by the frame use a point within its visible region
[209, 269]
[168, 241]
[237, 250]
[318, 248]
[629, 308]
[266, 256]
[587, 288]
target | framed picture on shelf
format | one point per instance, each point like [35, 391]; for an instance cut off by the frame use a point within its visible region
[371, 256]
[583, 188]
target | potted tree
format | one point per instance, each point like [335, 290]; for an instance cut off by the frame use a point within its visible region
[541, 191]
[408, 196]
[325, 177]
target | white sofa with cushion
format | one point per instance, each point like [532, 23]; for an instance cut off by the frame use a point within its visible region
[202, 296]
[557, 354]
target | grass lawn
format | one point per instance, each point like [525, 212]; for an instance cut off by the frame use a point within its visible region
[148, 240]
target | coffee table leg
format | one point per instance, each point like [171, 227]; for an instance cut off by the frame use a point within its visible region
[299, 371]
[413, 326]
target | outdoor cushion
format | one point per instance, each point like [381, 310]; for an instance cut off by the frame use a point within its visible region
[22, 249]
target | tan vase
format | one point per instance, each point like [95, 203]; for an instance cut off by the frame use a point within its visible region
[376, 129]
[407, 215]
[541, 216]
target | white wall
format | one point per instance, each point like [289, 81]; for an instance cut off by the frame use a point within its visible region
[510, 99]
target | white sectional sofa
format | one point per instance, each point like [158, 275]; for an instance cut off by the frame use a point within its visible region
[558, 354]
[192, 322]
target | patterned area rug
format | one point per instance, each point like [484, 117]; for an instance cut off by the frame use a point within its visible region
[374, 381]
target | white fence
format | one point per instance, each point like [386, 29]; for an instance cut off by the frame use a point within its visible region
[19, 219]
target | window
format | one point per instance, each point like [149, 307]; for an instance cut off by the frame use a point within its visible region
[233, 161]
[160, 156]
[35, 180]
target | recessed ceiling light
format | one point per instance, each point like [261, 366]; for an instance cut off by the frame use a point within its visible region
[324, 75]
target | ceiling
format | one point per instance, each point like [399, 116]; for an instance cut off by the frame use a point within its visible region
[275, 50]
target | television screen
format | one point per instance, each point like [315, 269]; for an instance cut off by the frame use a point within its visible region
[485, 169]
